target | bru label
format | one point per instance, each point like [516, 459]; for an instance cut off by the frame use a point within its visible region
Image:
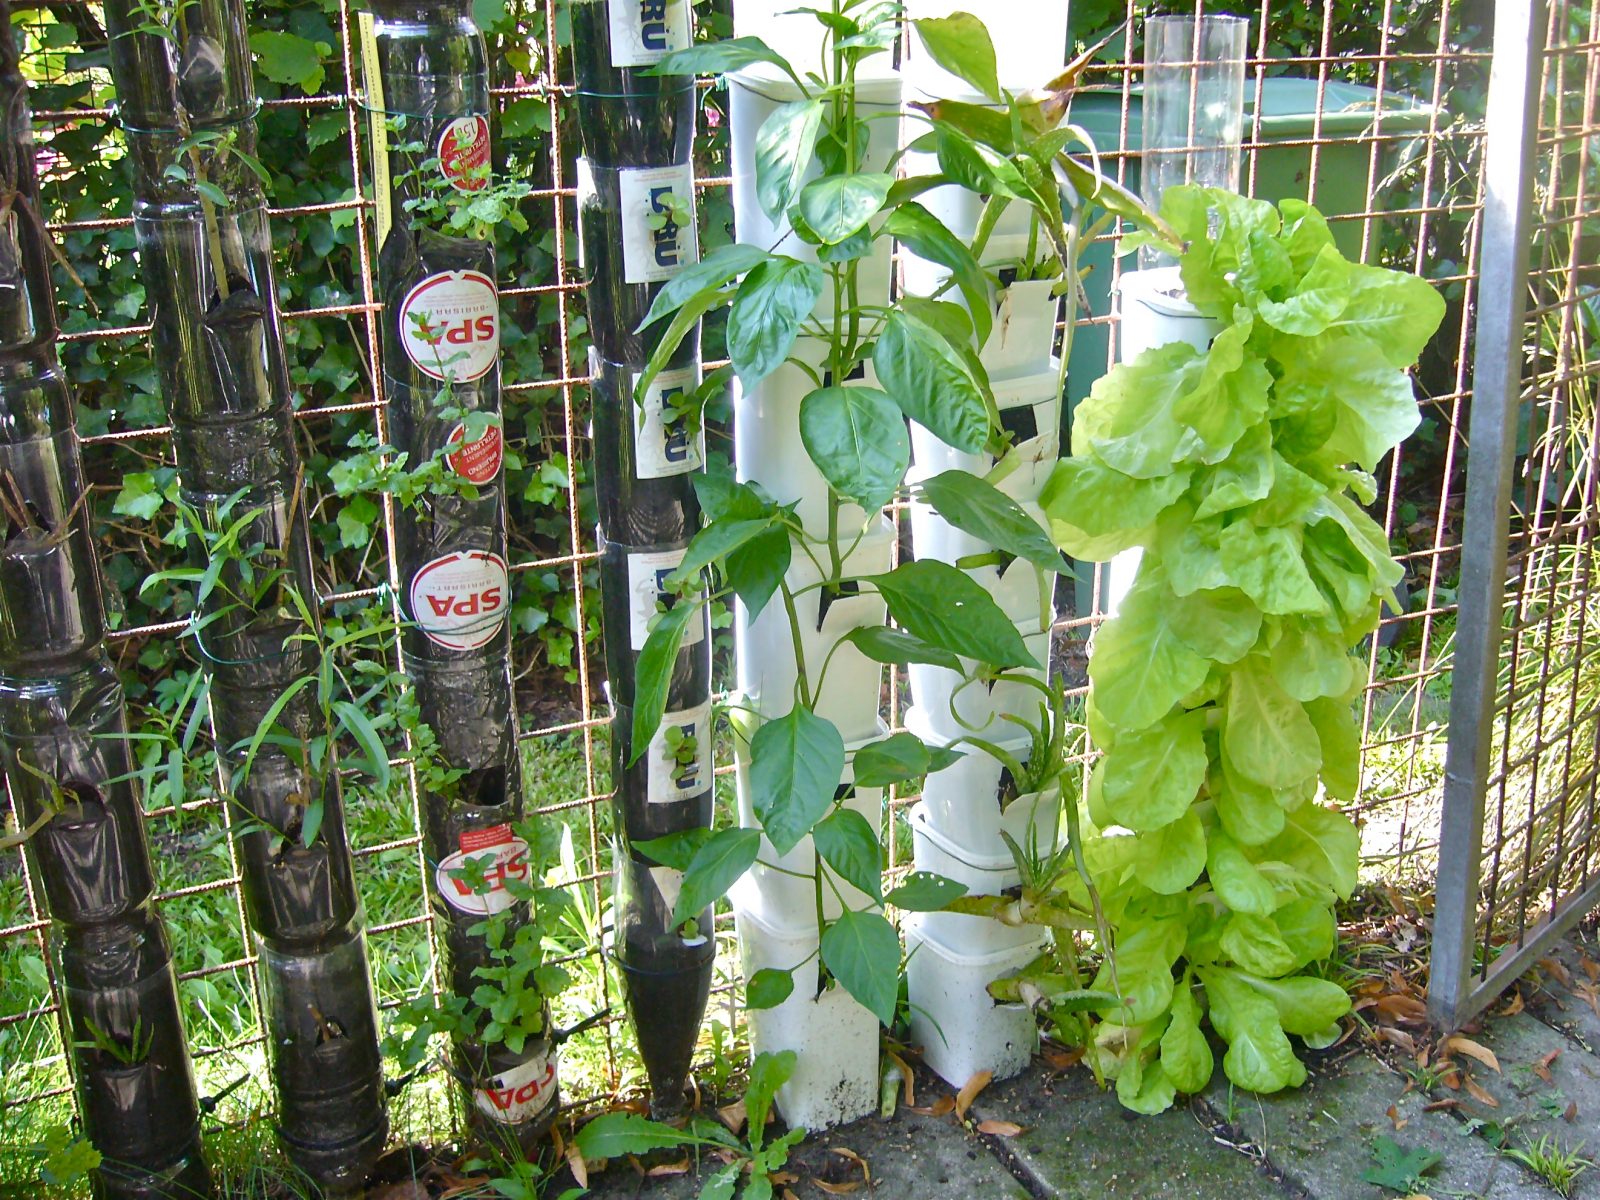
[477, 461]
[676, 773]
[521, 1093]
[450, 326]
[654, 244]
[464, 153]
[645, 31]
[503, 856]
[660, 450]
[459, 600]
[647, 573]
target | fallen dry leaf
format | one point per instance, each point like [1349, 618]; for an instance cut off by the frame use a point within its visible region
[846, 1152]
[1571, 1114]
[1558, 969]
[1399, 1007]
[969, 1092]
[780, 1178]
[1058, 1059]
[838, 1189]
[1590, 968]
[1590, 994]
[1398, 1038]
[575, 1161]
[1442, 1105]
[1472, 1049]
[1478, 1094]
[1542, 1067]
[788, 1195]
[999, 1128]
[1395, 1119]
[733, 1116]
[938, 1108]
[906, 1075]
[1513, 1006]
[681, 1167]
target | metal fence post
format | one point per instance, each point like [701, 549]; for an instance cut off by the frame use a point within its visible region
[1508, 173]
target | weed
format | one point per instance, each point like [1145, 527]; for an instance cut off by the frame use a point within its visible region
[1557, 1165]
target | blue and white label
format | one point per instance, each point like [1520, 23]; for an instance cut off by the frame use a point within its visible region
[658, 226]
[680, 756]
[648, 595]
[643, 32]
[659, 449]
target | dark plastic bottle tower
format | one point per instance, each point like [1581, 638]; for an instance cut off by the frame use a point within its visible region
[63, 736]
[428, 95]
[186, 101]
[636, 230]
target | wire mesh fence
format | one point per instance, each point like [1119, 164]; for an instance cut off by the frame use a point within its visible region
[1372, 109]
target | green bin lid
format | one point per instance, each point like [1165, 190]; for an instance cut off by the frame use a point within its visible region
[1289, 111]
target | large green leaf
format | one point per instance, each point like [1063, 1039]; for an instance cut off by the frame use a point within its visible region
[755, 569]
[849, 844]
[1235, 878]
[653, 674]
[857, 438]
[1374, 407]
[1323, 844]
[1259, 1057]
[975, 506]
[1305, 1005]
[1096, 511]
[1217, 623]
[796, 762]
[1266, 564]
[783, 153]
[1266, 734]
[899, 757]
[1140, 668]
[719, 58]
[1172, 857]
[960, 44]
[1151, 777]
[931, 382]
[862, 951]
[835, 206]
[898, 648]
[617, 1134]
[1396, 312]
[928, 237]
[766, 314]
[713, 272]
[945, 607]
[726, 856]
[713, 543]
[923, 891]
[1185, 1053]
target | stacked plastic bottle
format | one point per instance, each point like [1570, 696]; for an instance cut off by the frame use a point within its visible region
[836, 1075]
[63, 735]
[187, 105]
[636, 221]
[957, 827]
[427, 93]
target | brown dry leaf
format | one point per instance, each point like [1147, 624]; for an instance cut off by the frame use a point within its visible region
[1590, 995]
[1395, 1119]
[1058, 1059]
[733, 1116]
[969, 1092]
[1478, 1094]
[1399, 1007]
[999, 1128]
[781, 1178]
[1472, 1049]
[1590, 968]
[1571, 1114]
[1442, 1105]
[1558, 969]
[838, 1189]
[1542, 1067]
[788, 1195]
[681, 1167]
[1398, 1038]
[1513, 1006]
[846, 1152]
[938, 1108]
[575, 1161]
[906, 1075]
[1452, 1080]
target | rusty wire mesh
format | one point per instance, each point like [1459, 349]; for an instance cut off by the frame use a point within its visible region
[1418, 209]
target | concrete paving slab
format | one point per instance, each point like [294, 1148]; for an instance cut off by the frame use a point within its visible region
[1571, 1005]
[1322, 1136]
[1080, 1144]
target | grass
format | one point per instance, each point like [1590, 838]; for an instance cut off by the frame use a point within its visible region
[1558, 1165]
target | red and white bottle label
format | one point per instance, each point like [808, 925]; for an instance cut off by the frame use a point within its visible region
[643, 32]
[450, 326]
[521, 1093]
[502, 856]
[459, 600]
[464, 153]
[647, 573]
[660, 450]
[656, 244]
[477, 461]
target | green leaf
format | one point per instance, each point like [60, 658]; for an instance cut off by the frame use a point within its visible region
[960, 44]
[928, 237]
[727, 855]
[1150, 778]
[862, 951]
[766, 314]
[849, 844]
[931, 382]
[617, 1134]
[720, 1184]
[1249, 812]
[1144, 959]
[653, 674]
[796, 762]
[1097, 512]
[783, 153]
[1266, 734]
[525, 117]
[857, 438]
[1307, 927]
[755, 569]
[290, 59]
[945, 607]
[713, 543]
[1340, 738]
[675, 850]
[1185, 1054]
[897, 758]
[1309, 661]
[1323, 844]
[1259, 1057]
[923, 891]
[1400, 1169]
[1237, 882]
[836, 206]
[1216, 623]
[719, 58]
[1306, 1006]
[1140, 668]
[140, 496]
[1171, 858]
[768, 1073]
[1318, 299]
[768, 988]
[1396, 312]
[1266, 565]
[975, 506]
[714, 271]
[1254, 943]
[359, 726]
[1371, 404]
[898, 648]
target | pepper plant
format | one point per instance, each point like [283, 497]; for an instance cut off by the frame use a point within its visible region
[1222, 691]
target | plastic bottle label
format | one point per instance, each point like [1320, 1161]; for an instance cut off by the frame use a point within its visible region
[503, 856]
[672, 780]
[450, 326]
[477, 461]
[584, 186]
[643, 32]
[654, 244]
[647, 573]
[521, 1093]
[660, 451]
[464, 153]
[459, 600]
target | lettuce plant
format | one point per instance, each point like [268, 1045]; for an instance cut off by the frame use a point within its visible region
[1222, 691]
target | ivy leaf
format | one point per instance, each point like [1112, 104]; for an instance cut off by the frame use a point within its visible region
[923, 891]
[727, 855]
[862, 951]
[140, 496]
[849, 844]
[945, 607]
[931, 382]
[796, 762]
[783, 153]
[897, 758]
[835, 206]
[525, 117]
[857, 438]
[768, 988]
[974, 505]
[288, 58]
[766, 315]
[1400, 1169]
[960, 44]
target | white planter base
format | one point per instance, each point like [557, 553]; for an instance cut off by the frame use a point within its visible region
[835, 1040]
[953, 1018]
[937, 851]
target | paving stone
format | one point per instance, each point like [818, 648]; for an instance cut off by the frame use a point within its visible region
[1080, 1144]
[1566, 1006]
[1321, 1136]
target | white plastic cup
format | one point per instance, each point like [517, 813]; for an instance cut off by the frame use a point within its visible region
[937, 851]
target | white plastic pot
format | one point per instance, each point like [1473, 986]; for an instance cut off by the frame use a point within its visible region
[1030, 43]
[1155, 312]
[1035, 455]
[962, 802]
[792, 898]
[754, 94]
[795, 35]
[835, 1040]
[959, 704]
[960, 1027]
[1023, 336]
[766, 440]
[937, 851]
[765, 651]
